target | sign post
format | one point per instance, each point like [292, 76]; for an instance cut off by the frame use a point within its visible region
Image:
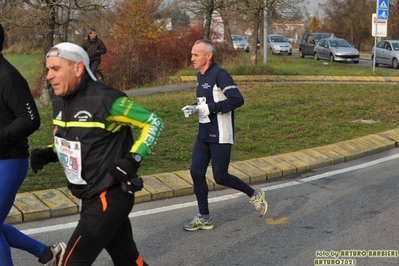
[382, 11]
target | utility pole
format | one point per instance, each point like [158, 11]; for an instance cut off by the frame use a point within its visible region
[375, 36]
[265, 33]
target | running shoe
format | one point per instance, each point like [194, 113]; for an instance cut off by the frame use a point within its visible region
[58, 254]
[259, 202]
[199, 223]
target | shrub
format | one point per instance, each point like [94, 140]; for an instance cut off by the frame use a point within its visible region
[133, 63]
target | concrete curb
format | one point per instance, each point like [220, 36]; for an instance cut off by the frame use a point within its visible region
[31, 206]
[281, 78]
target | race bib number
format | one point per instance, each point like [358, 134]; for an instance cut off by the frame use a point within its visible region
[202, 118]
[69, 154]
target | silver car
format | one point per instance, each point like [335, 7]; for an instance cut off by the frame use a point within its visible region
[387, 53]
[240, 43]
[279, 44]
[336, 49]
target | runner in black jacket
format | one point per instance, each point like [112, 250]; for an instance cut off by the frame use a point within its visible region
[93, 142]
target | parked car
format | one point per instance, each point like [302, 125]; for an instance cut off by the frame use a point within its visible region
[387, 53]
[336, 49]
[240, 43]
[309, 40]
[279, 44]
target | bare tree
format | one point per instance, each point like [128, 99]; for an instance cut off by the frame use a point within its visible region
[201, 10]
[275, 10]
[346, 19]
[393, 21]
[49, 16]
[249, 12]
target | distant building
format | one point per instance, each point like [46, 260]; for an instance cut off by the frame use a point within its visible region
[217, 28]
[293, 30]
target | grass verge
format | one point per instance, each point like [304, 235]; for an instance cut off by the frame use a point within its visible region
[290, 65]
[30, 66]
[275, 119]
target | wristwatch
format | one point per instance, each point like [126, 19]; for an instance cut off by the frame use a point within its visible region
[136, 157]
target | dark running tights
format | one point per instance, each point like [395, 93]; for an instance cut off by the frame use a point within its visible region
[203, 152]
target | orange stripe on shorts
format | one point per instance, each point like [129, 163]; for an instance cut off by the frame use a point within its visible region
[71, 251]
[104, 200]
[140, 261]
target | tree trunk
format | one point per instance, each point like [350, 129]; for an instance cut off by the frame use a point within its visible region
[46, 90]
[227, 32]
[210, 7]
[254, 53]
[207, 26]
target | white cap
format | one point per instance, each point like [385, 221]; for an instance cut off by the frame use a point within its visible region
[73, 53]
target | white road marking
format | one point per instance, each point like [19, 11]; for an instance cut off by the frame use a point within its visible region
[220, 198]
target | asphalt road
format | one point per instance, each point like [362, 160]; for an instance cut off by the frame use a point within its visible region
[311, 217]
[343, 208]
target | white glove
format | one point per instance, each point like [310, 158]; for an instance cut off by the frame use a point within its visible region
[203, 110]
[189, 110]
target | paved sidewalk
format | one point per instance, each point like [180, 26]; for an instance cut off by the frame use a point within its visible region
[45, 204]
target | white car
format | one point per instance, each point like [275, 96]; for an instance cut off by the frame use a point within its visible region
[279, 44]
[336, 49]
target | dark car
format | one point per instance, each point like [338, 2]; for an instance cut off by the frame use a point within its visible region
[308, 42]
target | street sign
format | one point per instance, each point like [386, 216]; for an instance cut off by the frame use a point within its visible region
[381, 25]
[383, 7]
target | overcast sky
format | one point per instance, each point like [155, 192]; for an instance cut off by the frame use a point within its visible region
[314, 4]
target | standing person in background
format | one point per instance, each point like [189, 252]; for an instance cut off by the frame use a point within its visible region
[94, 47]
[19, 118]
[94, 143]
[217, 97]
